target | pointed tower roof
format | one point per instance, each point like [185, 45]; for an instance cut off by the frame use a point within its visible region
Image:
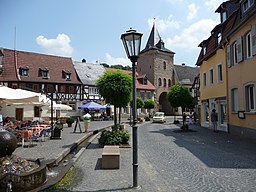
[154, 37]
[155, 41]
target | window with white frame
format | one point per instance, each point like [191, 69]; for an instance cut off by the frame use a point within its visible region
[248, 44]
[234, 53]
[93, 91]
[250, 97]
[234, 99]
[204, 79]
[219, 73]
[211, 76]
[23, 71]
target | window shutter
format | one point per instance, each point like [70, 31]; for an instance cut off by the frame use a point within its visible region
[239, 49]
[228, 56]
[253, 32]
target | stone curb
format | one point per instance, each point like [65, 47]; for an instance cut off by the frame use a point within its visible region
[73, 146]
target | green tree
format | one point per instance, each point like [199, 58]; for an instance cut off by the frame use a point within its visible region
[105, 65]
[179, 96]
[116, 88]
[139, 103]
[149, 104]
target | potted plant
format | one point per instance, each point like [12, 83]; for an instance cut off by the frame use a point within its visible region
[69, 121]
[57, 130]
[86, 118]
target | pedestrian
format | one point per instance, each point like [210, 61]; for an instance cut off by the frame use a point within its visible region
[191, 119]
[214, 119]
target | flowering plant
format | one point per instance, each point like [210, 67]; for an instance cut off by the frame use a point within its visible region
[59, 125]
[87, 116]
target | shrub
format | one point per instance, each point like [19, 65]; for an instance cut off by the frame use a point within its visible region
[114, 137]
[70, 120]
[117, 127]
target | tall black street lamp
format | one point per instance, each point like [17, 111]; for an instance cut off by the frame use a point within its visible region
[132, 41]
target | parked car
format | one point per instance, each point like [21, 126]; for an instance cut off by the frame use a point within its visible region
[159, 117]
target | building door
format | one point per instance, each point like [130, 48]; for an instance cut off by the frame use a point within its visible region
[36, 111]
[222, 116]
[19, 114]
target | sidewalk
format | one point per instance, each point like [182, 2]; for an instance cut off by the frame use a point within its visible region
[53, 151]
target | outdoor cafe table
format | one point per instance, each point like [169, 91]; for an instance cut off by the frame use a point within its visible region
[26, 134]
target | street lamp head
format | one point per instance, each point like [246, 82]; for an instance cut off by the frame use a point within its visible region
[132, 41]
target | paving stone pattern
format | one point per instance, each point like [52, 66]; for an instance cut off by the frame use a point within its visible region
[169, 160]
[53, 149]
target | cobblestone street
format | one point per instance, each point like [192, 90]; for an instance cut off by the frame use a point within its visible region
[170, 160]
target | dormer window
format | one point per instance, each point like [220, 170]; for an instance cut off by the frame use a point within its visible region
[219, 36]
[223, 16]
[44, 73]
[66, 75]
[145, 81]
[23, 71]
[204, 50]
[247, 4]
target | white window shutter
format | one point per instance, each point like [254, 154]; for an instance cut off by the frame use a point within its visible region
[253, 32]
[228, 56]
[239, 49]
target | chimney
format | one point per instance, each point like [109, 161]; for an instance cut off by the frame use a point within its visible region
[183, 64]
[83, 61]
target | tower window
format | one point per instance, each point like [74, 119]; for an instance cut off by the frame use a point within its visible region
[164, 65]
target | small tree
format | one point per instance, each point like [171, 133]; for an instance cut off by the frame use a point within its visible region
[116, 88]
[179, 96]
[149, 104]
[139, 102]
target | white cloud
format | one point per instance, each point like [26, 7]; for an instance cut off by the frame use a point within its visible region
[58, 46]
[190, 37]
[163, 25]
[192, 11]
[116, 61]
[213, 4]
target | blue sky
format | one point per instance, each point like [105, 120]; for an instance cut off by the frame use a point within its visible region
[91, 29]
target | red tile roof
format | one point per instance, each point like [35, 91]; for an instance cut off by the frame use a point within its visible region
[35, 61]
[149, 86]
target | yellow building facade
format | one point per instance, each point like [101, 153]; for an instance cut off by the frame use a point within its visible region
[230, 51]
[213, 89]
[241, 61]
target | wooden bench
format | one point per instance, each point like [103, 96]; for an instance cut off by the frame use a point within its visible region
[110, 157]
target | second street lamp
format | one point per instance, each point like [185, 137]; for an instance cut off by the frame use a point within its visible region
[132, 41]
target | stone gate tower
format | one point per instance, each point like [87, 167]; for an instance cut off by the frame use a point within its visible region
[157, 63]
